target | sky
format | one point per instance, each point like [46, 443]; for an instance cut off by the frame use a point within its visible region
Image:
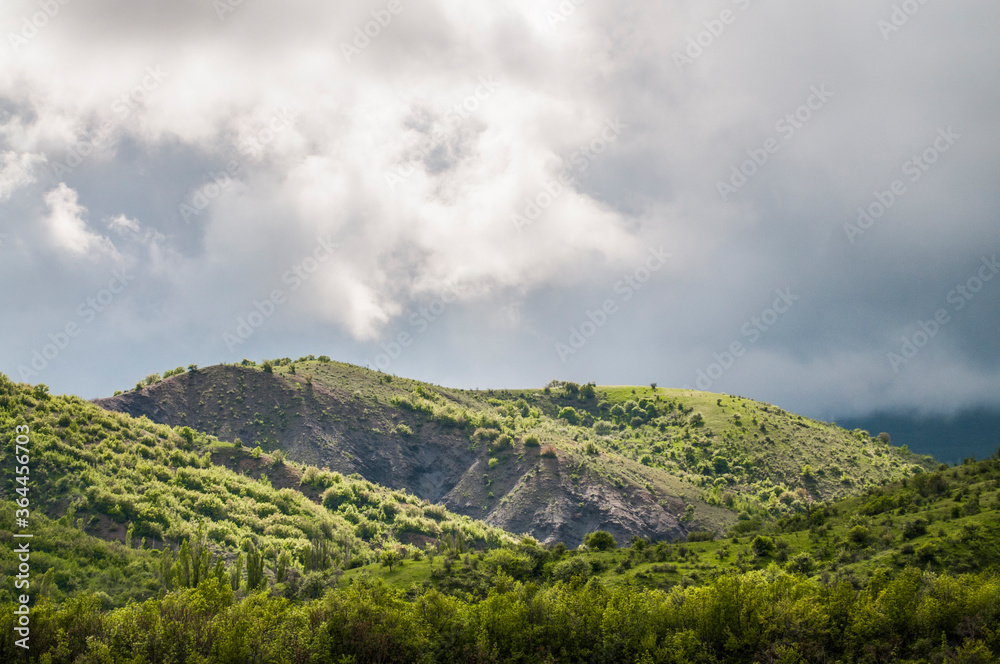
[794, 202]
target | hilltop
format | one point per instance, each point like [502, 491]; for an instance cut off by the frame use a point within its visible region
[555, 462]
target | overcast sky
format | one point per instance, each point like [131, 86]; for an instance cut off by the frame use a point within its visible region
[623, 192]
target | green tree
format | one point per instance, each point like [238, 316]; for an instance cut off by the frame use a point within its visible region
[167, 579]
[236, 573]
[184, 563]
[600, 540]
[282, 563]
[255, 567]
[390, 557]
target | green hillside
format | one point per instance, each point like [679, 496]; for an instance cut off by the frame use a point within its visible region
[943, 521]
[556, 463]
[154, 543]
[113, 499]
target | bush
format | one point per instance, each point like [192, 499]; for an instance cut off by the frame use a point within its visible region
[436, 512]
[701, 536]
[914, 529]
[802, 564]
[762, 546]
[310, 475]
[493, 462]
[531, 441]
[336, 496]
[569, 414]
[603, 427]
[859, 535]
[482, 435]
[549, 452]
[600, 540]
[566, 570]
[403, 430]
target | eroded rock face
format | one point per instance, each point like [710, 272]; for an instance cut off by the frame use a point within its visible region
[319, 426]
[326, 426]
[550, 506]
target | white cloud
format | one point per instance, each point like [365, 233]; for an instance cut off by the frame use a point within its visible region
[67, 228]
[123, 225]
[17, 171]
[411, 101]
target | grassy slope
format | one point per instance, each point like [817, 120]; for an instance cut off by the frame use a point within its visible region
[97, 473]
[632, 476]
[946, 521]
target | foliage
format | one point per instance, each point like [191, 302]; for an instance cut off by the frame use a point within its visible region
[756, 616]
[132, 508]
[600, 540]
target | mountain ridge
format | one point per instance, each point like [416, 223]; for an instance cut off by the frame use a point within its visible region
[556, 462]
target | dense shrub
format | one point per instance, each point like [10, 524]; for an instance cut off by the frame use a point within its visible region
[600, 540]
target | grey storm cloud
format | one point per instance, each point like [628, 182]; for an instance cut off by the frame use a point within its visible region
[469, 193]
